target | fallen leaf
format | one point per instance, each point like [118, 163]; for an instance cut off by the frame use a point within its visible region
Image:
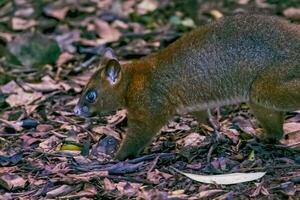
[10, 87]
[106, 32]
[44, 127]
[292, 13]
[49, 143]
[64, 58]
[177, 194]
[12, 181]
[47, 85]
[60, 191]
[24, 12]
[291, 127]
[147, 6]
[56, 12]
[216, 14]
[22, 98]
[128, 189]
[108, 185]
[224, 179]
[208, 193]
[88, 176]
[193, 139]
[106, 130]
[22, 24]
[117, 118]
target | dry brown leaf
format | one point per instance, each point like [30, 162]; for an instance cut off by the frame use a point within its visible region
[156, 176]
[24, 12]
[117, 118]
[7, 37]
[232, 134]
[147, 6]
[64, 58]
[4, 170]
[208, 193]
[12, 181]
[243, 2]
[291, 127]
[23, 98]
[245, 125]
[44, 128]
[108, 185]
[292, 13]
[22, 24]
[83, 78]
[106, 32]
[88, 191]
[292, 134]
[106, 130]
[86, 177]
[60, 191]
[128, 189]
[56, 12]
[47, 85]
[10, 87]
[12, 124]
[193, 139]
[177, 194]
[28, 140]
[50, 143]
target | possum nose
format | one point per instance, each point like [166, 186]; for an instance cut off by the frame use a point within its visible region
[77, 110]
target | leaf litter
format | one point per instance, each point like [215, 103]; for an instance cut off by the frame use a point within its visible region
[50, 50]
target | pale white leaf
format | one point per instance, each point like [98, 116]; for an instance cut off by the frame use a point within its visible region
[224, 179]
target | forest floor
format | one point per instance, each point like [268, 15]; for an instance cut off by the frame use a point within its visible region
[48, 52]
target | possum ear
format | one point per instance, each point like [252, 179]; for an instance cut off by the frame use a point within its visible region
[112, 71]
[109, 54]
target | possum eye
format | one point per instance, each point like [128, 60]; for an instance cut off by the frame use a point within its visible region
[91, 96]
